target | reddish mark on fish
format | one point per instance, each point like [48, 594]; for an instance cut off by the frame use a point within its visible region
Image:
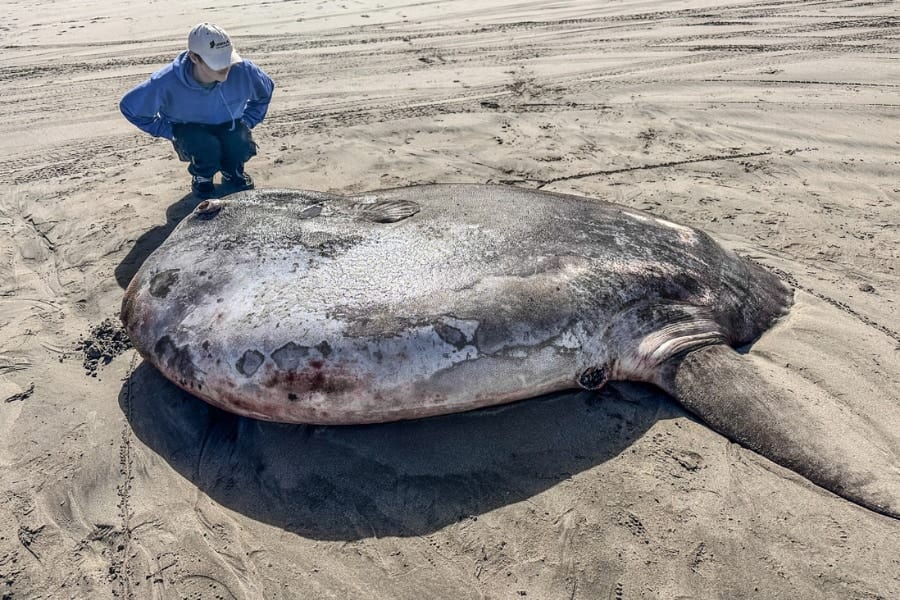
[316, 378]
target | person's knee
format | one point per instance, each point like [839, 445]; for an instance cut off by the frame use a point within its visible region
[193, 142]
[239, 144]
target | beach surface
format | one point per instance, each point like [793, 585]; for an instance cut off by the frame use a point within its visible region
[774, 126]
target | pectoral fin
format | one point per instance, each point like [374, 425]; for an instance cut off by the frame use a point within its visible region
[387, 211]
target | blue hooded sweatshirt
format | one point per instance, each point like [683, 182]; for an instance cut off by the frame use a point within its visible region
[172, 95]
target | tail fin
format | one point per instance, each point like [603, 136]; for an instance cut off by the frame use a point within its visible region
[798, 427]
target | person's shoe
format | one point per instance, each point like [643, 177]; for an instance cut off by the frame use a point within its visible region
[202, 187]
[237, 181]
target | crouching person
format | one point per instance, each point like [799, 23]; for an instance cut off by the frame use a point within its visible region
[206, 102]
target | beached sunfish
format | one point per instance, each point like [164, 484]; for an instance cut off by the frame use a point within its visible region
[307, 307]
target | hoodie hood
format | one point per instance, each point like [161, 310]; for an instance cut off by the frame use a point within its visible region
[183, 69]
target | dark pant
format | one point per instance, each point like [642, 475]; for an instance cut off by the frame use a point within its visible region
[213, 148]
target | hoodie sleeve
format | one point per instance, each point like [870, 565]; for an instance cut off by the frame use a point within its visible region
[141, 107]
[258, 104]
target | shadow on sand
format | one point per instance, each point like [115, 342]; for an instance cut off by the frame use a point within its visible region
[150, 241]
[398, 479]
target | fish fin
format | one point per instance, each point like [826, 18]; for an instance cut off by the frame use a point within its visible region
[797, 426]
[387, 211]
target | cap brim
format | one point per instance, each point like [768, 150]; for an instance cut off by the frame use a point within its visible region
[233, 59]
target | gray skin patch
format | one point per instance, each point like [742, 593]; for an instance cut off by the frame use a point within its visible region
[327, 245]
[249, 362]
[311, 212]
[288, 357]
[161, 283]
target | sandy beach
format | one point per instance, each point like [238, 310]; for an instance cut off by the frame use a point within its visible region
[773, 126]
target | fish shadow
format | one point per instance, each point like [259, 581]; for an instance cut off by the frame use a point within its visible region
[407, 478]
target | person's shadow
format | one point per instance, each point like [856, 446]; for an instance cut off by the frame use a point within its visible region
[399, 479]
[153, 239]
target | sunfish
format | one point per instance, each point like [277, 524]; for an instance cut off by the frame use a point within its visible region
[306, 307]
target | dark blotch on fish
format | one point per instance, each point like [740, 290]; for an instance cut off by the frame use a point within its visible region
[162, 283]
[288, 357]
[249, 362]
[177, 359]
[451, 335]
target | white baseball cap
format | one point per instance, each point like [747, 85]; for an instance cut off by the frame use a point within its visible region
[212, 44]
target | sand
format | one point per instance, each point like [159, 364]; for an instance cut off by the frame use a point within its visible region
[771, 125]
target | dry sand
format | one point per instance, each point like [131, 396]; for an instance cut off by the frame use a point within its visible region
[772, 125]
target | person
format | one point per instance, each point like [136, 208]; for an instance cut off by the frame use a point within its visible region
[206, 102]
